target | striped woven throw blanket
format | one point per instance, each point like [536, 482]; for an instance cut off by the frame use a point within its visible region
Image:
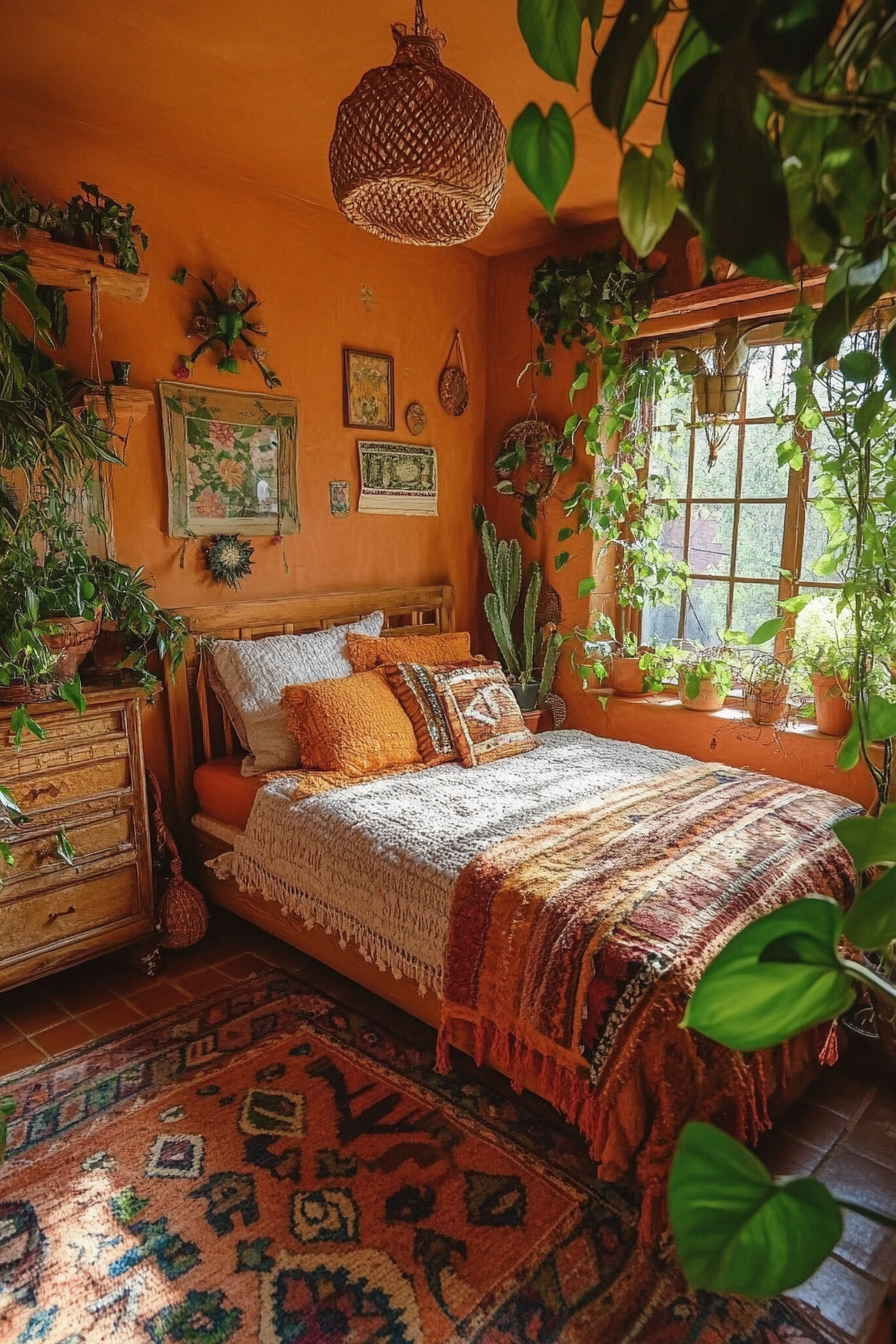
[579, 941]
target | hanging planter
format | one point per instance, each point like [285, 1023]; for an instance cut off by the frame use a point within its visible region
[718, 394]
[419, 153]
[719, 381]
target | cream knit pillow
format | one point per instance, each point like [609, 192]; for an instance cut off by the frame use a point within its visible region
[249, 675]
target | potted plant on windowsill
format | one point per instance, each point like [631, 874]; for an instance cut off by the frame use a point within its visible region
[531, 660]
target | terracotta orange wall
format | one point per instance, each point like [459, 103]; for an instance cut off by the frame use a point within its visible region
[309, 268]
[804, 755]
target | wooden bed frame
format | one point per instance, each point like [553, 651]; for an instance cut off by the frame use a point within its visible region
[201, 732]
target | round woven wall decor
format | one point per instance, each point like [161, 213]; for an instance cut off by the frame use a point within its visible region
[533, 444]
[454, 385]
[419, 153]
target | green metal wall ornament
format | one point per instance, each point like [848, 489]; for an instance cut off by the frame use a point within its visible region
[222, 324]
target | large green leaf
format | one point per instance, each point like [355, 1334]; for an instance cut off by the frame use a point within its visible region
[870, 923]
[869, 840]
[640, 85]
[860, 366]
[552, 30]
[648, 198]
[786, 34]
[736, 1229]
[693, 44]
[592, 11]
[774, 979]
[721, 20]
[734, 186]
[615, 68]
[879, 721]
[542, 150]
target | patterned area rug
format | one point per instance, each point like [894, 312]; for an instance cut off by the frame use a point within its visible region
[266, 1165]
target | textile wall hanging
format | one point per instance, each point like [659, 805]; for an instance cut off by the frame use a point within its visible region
[398, 478]
[368, 390]
[231, 459]
[419, 153]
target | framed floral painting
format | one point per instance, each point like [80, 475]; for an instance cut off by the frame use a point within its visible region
[368, 392]
[232, 460]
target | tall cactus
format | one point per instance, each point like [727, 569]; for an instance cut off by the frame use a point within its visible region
[504, 562]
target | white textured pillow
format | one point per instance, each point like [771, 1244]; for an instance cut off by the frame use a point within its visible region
[248, 677]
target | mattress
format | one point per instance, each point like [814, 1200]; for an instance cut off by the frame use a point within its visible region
[224, 794]
[375, 863]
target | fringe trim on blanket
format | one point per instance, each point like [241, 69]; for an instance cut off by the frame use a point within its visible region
[252, 876]
[590, 1109]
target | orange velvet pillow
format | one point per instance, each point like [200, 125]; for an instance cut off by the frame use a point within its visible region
[351, 724]
[366, 651]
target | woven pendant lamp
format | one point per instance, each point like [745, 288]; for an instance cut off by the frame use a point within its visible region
[419, 153]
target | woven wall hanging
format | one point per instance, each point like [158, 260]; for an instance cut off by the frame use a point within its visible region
[419, 153]
[454, 386]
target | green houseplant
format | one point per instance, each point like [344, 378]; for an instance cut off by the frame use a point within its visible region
[133, 623]
[521, 656]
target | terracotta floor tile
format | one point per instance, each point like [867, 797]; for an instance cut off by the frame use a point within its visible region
[851, 1176]
[241, 967]
[176, 964]
[111, 1017]
[20, 1055]
[868, 1246]
[874, 1136]
[785, 1155]
[36, 1015]
[840, 1091]
[9, 1033]
[813, 1124]
[127, 981]
[842, 1296]
[63, 1037]
[203, 982]
[286, 957]
[82, 995]
[157, 999]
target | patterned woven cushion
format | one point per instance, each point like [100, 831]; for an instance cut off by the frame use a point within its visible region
[483, 717]
[365, 653]
[351, 724]
[416, 691]
[248, 677]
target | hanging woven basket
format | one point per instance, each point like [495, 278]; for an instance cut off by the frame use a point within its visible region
[533, 445]
[419, 153]
[454, 385]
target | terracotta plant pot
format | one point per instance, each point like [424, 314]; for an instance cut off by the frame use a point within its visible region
[525, 693]
[707, 699]
[73, 641]
[624, 676]
[110, 648]
[718, 393]
[833, 716]
[766, 702]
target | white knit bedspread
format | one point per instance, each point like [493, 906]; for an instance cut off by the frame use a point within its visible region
[375, 863]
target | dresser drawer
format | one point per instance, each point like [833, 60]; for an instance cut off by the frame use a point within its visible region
[64, 727]
[37, 860]
[70, 783]
[75, 909]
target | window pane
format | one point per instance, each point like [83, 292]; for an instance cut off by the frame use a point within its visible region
[706, 612]
[753, 604]
[672, 410]
[660, 624]
[672, 535]
[760, 536]
[716, 481]
[815, 543]
[669, 458]
[768, 381]
[762, 477]
[709, 551]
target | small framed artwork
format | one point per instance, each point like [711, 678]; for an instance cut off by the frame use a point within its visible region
[368, 390]
[340, 502]
[232, 461]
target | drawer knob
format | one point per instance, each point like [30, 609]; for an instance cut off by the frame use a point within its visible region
[57, 914]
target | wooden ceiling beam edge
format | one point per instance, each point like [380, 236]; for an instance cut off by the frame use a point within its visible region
[72, 268]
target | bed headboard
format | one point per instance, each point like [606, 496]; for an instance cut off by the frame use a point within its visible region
[200, 731]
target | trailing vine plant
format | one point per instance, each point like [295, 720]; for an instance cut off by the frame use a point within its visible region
[594, 304]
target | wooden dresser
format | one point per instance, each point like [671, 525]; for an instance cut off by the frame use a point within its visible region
[84, 783]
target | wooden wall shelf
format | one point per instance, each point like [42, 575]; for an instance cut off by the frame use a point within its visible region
[72, 268]
[745, 297]
[129, 403]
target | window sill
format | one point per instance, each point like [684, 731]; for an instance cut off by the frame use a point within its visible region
[731, 712]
